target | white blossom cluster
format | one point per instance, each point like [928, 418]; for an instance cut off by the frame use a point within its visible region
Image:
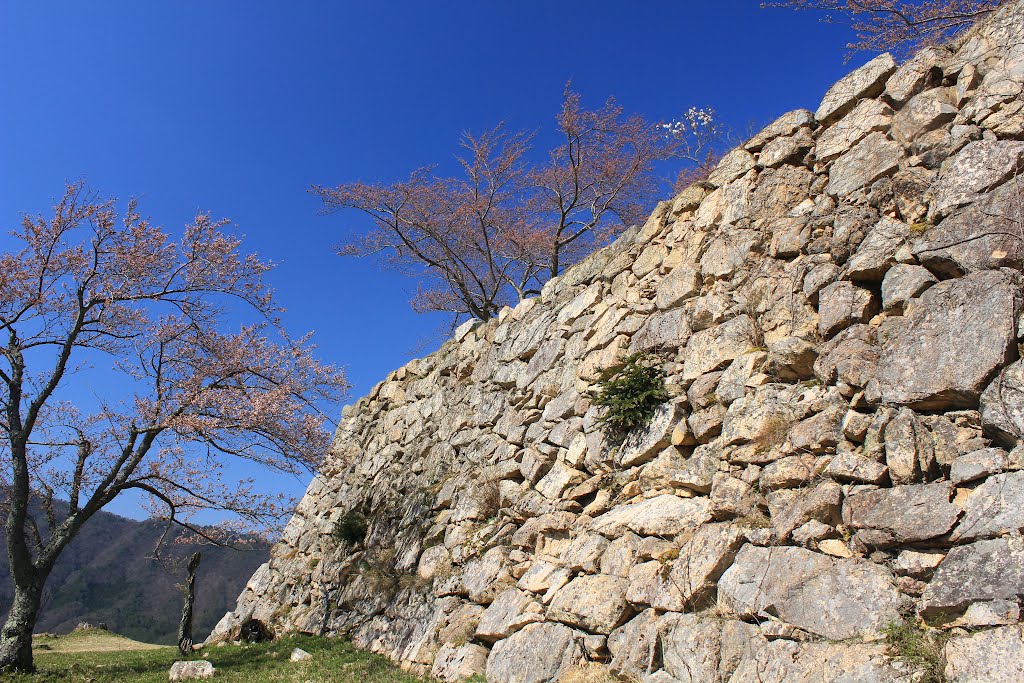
[692, 121]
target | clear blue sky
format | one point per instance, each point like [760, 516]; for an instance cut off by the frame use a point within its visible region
[237, 107]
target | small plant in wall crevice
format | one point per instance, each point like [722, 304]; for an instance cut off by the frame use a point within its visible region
[630, 393]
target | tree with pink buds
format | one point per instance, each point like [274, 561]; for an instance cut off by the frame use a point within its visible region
[903, 25]
[90, 287]
[495, 234]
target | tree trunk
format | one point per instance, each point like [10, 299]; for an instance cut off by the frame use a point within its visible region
[16, 636]
[185, 627]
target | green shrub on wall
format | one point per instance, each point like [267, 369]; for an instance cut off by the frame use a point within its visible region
[630, 394]
[350, 528]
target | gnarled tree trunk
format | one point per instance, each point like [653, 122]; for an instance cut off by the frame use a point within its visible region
[16, 636]
[185, 627]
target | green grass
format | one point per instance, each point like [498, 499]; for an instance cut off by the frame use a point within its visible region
[919, 650]
[113, 659]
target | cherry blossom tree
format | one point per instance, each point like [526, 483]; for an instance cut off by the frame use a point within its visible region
[90, 288]
[903, 25]
[495, 234]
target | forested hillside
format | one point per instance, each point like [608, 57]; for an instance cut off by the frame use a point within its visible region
[108, 574]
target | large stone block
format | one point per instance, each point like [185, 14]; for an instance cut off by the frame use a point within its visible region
[596, 603]
[986, 570]
[995, 508]
[874, 157]
[664, 515]
[539, 653]
[976, 169]
[907, 513]
[953, 341]
[795, 585]
[1002, 405]
[985, 657]
[867, 81]
[987, 234]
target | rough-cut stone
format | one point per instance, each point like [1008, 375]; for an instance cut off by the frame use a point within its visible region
[728, 252]
[851, 467]
[788, 472]
[681, 284]
[454, 663]
[993, 509]
[924, 363]
[902, 283]
[923, 70]
[909, 449]
[1002, 405]
[732, 166]
[186, 671]
[696, 649]
[874, 157]
[670, 329]
[986, 657]
[596, 603]
[785, 125]
[851, 357]
[842, 304]
[732, 497]
[986, 570]
[634, 645]
[539, 653]
[786, 661]
[867, 117]
[984, 235]
[977, 465]
[976, 169]
[714, 348]
[486, 577]
[919, 565]
[867, 81]
[664, 515]
[791, 509]
[793, 584]
[991, 613]
[703, 558]
[510, 611]
[924, 112]
[877, 253]
[543, 576]
[644, 443]
[908, 513]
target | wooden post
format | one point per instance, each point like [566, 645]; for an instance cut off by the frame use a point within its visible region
[185, 628]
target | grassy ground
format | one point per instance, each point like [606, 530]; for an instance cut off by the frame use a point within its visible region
[107, 658]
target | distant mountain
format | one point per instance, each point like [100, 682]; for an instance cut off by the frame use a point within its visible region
[108, 574]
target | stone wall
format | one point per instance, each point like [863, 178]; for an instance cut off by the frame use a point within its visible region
[839, 307]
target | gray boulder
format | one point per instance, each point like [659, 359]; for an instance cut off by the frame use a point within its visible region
[902, 283]
[596, 603]
[874, 157]
[986, 570]
[993, 509]
[842, 304]
[1002, 405]
[987, 656]
[907, 513]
